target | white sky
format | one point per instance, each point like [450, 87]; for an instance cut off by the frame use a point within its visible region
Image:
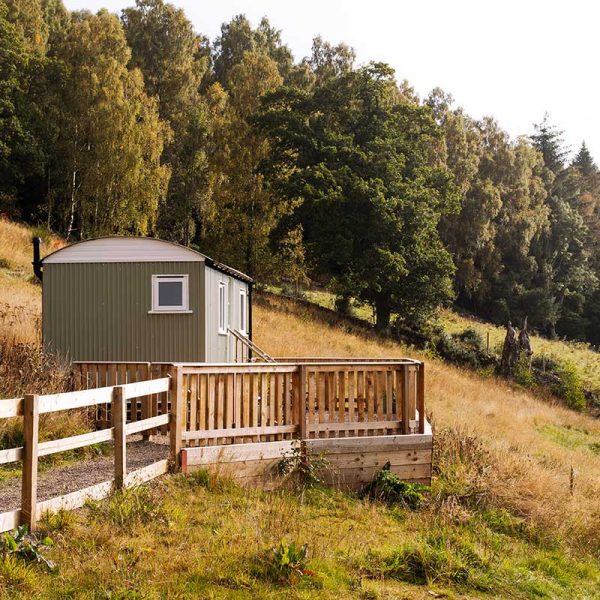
[510, 59]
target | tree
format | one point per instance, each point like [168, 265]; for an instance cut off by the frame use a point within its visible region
[244, 213]
[106, 171]
[173, 60]
[549, 141]
[358, 161]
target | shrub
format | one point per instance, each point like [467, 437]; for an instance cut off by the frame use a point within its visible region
[522, 374]
[389, 488]
[470, 337]
[570, 386]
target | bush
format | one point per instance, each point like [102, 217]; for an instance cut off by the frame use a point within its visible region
[522, 374]
[389, 488]
[470, 337]
[570, 386]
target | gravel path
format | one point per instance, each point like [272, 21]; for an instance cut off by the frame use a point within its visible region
[76, 476]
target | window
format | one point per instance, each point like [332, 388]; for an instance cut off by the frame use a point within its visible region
[170, 294]
[223, 308]
[243, 313]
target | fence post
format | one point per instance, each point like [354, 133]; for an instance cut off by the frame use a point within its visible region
[176, 420]
[421, 396]
[31, 425]
[118, 409]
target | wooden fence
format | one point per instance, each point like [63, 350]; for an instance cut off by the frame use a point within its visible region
[117, 397]
[297, 399]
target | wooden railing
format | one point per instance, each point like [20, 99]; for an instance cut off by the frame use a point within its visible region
[32, 406]
[303, 398]
[232, 403]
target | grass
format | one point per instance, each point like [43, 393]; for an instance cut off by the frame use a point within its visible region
[501, 519]
[581, 354]
[215, 540]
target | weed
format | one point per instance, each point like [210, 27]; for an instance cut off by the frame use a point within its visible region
[387, 487]
[301, 466]
[15, 575]
[287, 562]
[60, 521]
[28, 547]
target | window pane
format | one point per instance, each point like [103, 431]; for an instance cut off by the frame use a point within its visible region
[170, 293]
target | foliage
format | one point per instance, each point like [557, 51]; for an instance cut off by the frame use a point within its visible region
[288, 562]
[301, 466]
[570, 386]
[20, 544]
[389, 488]
[522, 372]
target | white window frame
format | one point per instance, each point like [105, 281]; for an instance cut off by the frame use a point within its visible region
[184, 307]
[243, 311]
[223, 308]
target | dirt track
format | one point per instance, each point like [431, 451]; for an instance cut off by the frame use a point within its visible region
[70, 478]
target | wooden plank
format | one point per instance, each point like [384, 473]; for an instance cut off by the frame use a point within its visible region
[287, 400]
[421, 397]
[31, 424]
[146, 424]
[13, 407]
[119, 418]
[75, 499]
[389, 394]
[210, 400]
[229, 401]
[405, 395]
[78, 399]
[192, 422]
[380, 443]
[246, 400]
[202, 401]
[264, 400]
[351, 396]
[11, 455]
[176, 420]
[237, 401]
[239, 432]
[358, 426]
[312, 394]
[75, 441]
[205, 455]
[147, 473]
[374, 459]
[321, 394]
[302, 415]
[10, 520]
[145, 388]
[249, 368]
[370, 391]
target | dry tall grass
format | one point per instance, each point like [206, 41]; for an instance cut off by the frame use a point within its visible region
[531, 444]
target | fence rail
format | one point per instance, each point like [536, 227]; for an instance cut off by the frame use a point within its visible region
[33, 405]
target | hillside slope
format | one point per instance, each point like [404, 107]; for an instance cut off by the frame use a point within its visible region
[514, 509]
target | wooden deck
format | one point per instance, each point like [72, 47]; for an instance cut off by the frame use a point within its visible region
[240, 419]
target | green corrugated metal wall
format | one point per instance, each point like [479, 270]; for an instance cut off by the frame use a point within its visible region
[99, 311]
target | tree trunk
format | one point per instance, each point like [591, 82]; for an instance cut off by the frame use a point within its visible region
[383, 313]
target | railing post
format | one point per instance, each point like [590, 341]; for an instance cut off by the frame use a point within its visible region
[119, 416]
[421, 397]
[176, 421]
[31, 425]
[302, 403]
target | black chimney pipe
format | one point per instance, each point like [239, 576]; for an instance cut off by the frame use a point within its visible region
[37, 262]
